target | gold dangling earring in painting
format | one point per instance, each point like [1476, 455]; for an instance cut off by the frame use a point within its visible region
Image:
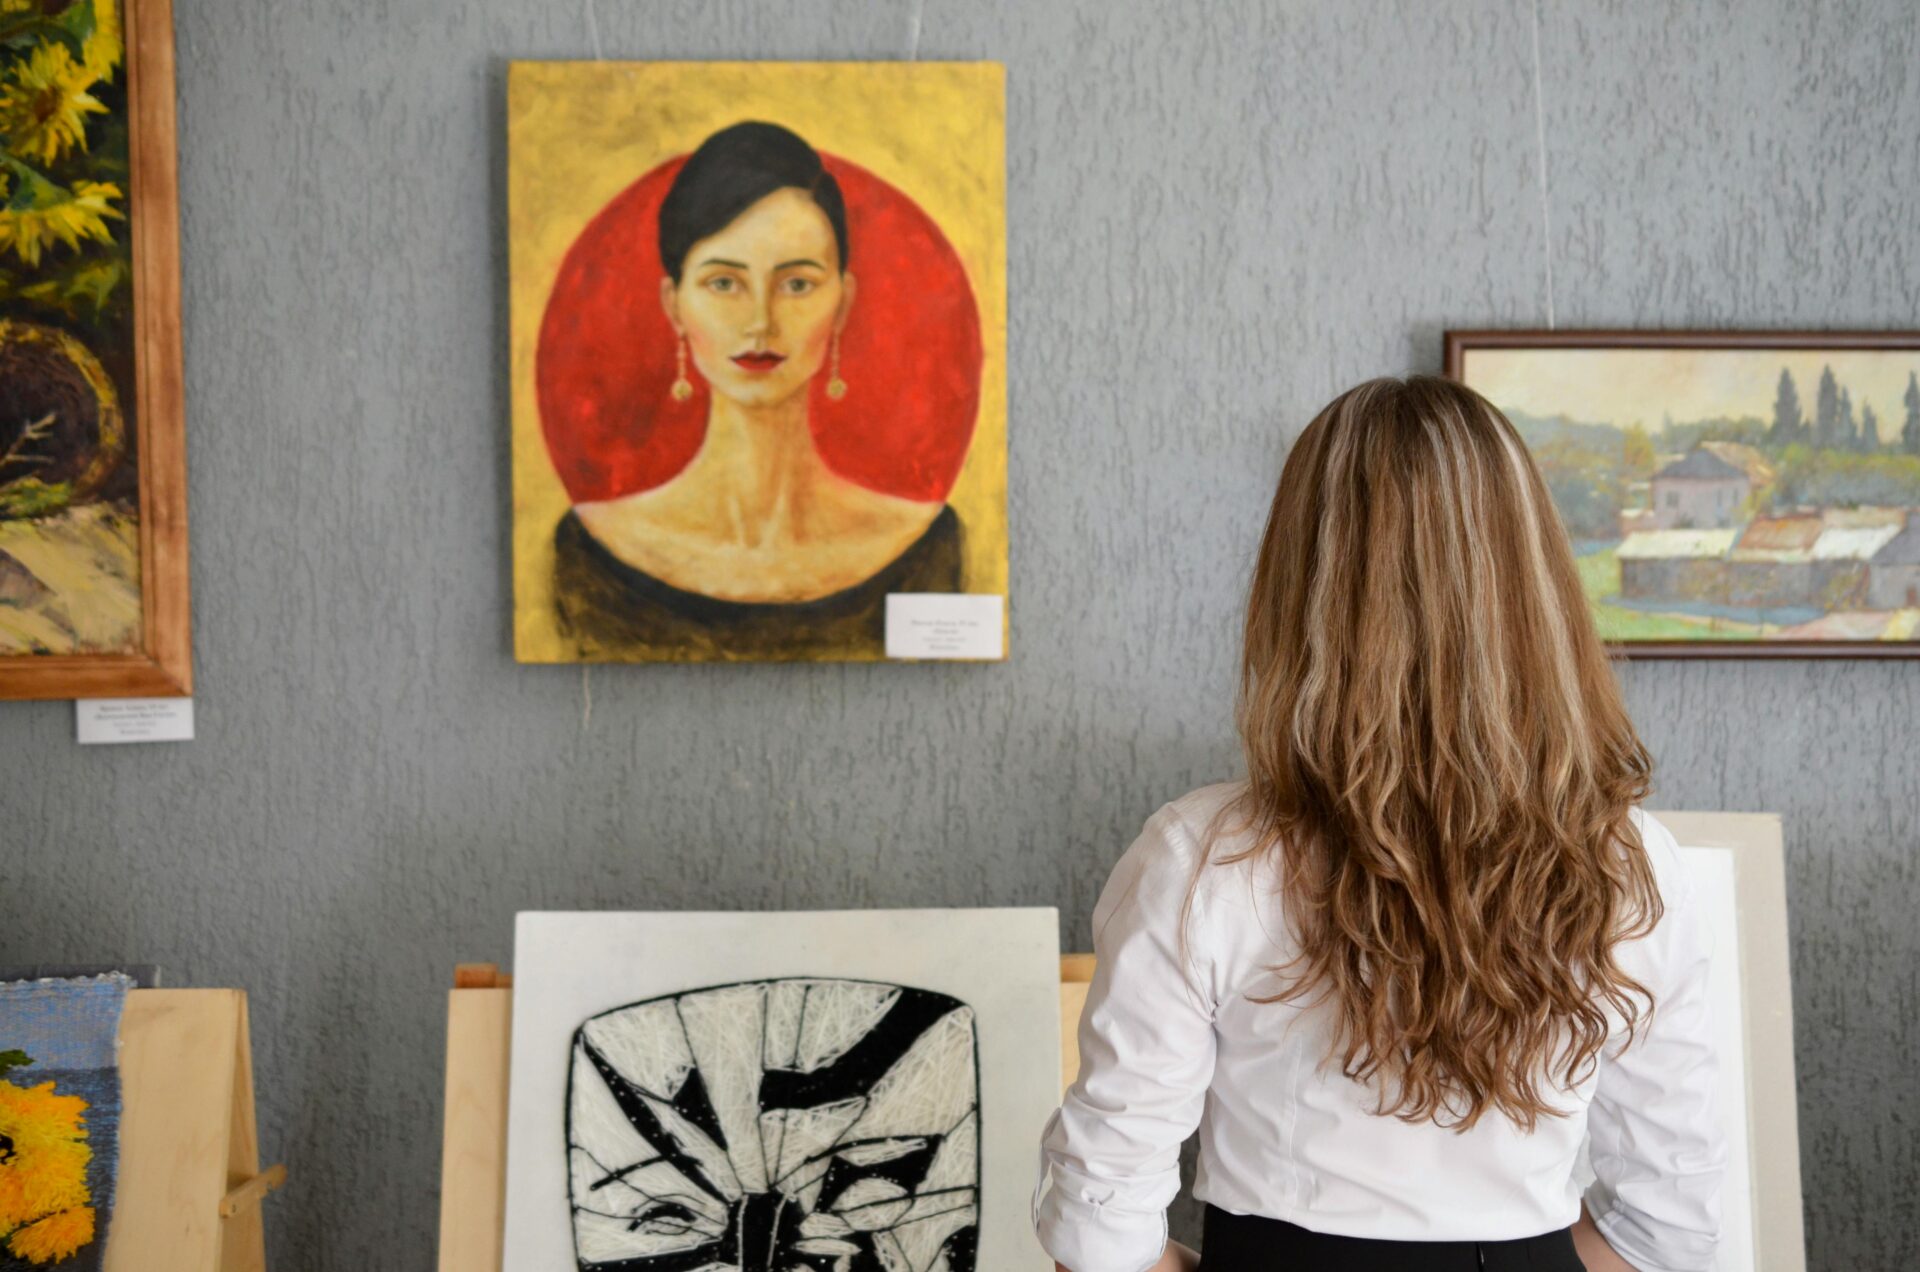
[682, 387]
[836, 387]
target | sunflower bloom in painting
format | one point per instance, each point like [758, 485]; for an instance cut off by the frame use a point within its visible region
[103, 47]
[45, 1210]
[56, 216]
[44, 104]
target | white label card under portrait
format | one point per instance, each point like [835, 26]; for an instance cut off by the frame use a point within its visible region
[945, 625]
[134, 720]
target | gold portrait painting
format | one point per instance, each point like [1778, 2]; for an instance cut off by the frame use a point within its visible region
[758, 352]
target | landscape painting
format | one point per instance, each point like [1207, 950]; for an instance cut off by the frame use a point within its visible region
[93, 560]
[1731, 494]
[758, 348]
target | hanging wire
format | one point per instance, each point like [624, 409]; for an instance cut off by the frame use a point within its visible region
[593, 31]
[1540, 140]
[913, 42]
[586, 669]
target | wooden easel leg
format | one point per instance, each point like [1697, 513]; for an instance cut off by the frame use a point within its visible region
[243, 1245]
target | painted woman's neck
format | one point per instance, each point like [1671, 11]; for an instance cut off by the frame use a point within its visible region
[765, 462]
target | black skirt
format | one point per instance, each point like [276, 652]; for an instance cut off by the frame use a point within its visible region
[1249, 1243]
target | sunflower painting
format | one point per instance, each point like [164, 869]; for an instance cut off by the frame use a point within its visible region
[59, 1120]
[69, 516]
[93, 555]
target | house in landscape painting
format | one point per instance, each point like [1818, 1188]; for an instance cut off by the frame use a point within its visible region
[1675, 563]
[1894, 579]
[1700, 490]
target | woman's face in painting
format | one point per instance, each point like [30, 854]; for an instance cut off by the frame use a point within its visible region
[759, 301]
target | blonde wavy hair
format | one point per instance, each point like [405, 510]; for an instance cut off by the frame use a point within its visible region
[1440, 761]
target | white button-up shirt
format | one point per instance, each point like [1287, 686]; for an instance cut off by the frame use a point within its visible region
[1171, 1040]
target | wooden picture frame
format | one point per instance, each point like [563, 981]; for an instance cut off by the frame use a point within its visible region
[162, 665]
[1461, 344]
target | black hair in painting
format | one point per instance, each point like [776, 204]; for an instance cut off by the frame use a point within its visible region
[733, 170]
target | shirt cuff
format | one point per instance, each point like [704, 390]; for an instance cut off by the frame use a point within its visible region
[1628, 1235]
[1087, 1236]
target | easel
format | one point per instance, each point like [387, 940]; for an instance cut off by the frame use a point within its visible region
[473, 1163]
[189, 1188]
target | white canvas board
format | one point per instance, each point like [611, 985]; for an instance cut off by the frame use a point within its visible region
[709, 1082]
[1711, 871]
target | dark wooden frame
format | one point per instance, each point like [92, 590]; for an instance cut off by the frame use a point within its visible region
[1458, 343]
[163, 667]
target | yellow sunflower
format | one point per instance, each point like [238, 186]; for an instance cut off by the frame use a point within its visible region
[44, 104]
[103, 48]
[59, 1236]
[45, 1210]
[59, 216]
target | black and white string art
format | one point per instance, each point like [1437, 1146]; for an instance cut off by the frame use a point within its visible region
[793, 1125]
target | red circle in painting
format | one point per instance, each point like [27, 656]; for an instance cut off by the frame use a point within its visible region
[910, 353]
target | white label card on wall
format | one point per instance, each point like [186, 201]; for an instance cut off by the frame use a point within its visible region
[945, 625]
[134, 720]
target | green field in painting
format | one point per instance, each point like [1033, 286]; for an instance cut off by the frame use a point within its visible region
[1600, 580]
[1599, 574]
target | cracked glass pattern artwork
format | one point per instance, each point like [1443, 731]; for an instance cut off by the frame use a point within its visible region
[786, 1125]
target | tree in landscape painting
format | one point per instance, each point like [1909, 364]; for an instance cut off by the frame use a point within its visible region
[1789, 426]
[1826, 411]
[1910, 433]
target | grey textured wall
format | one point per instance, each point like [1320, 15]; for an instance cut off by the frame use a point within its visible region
[1219, 215]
